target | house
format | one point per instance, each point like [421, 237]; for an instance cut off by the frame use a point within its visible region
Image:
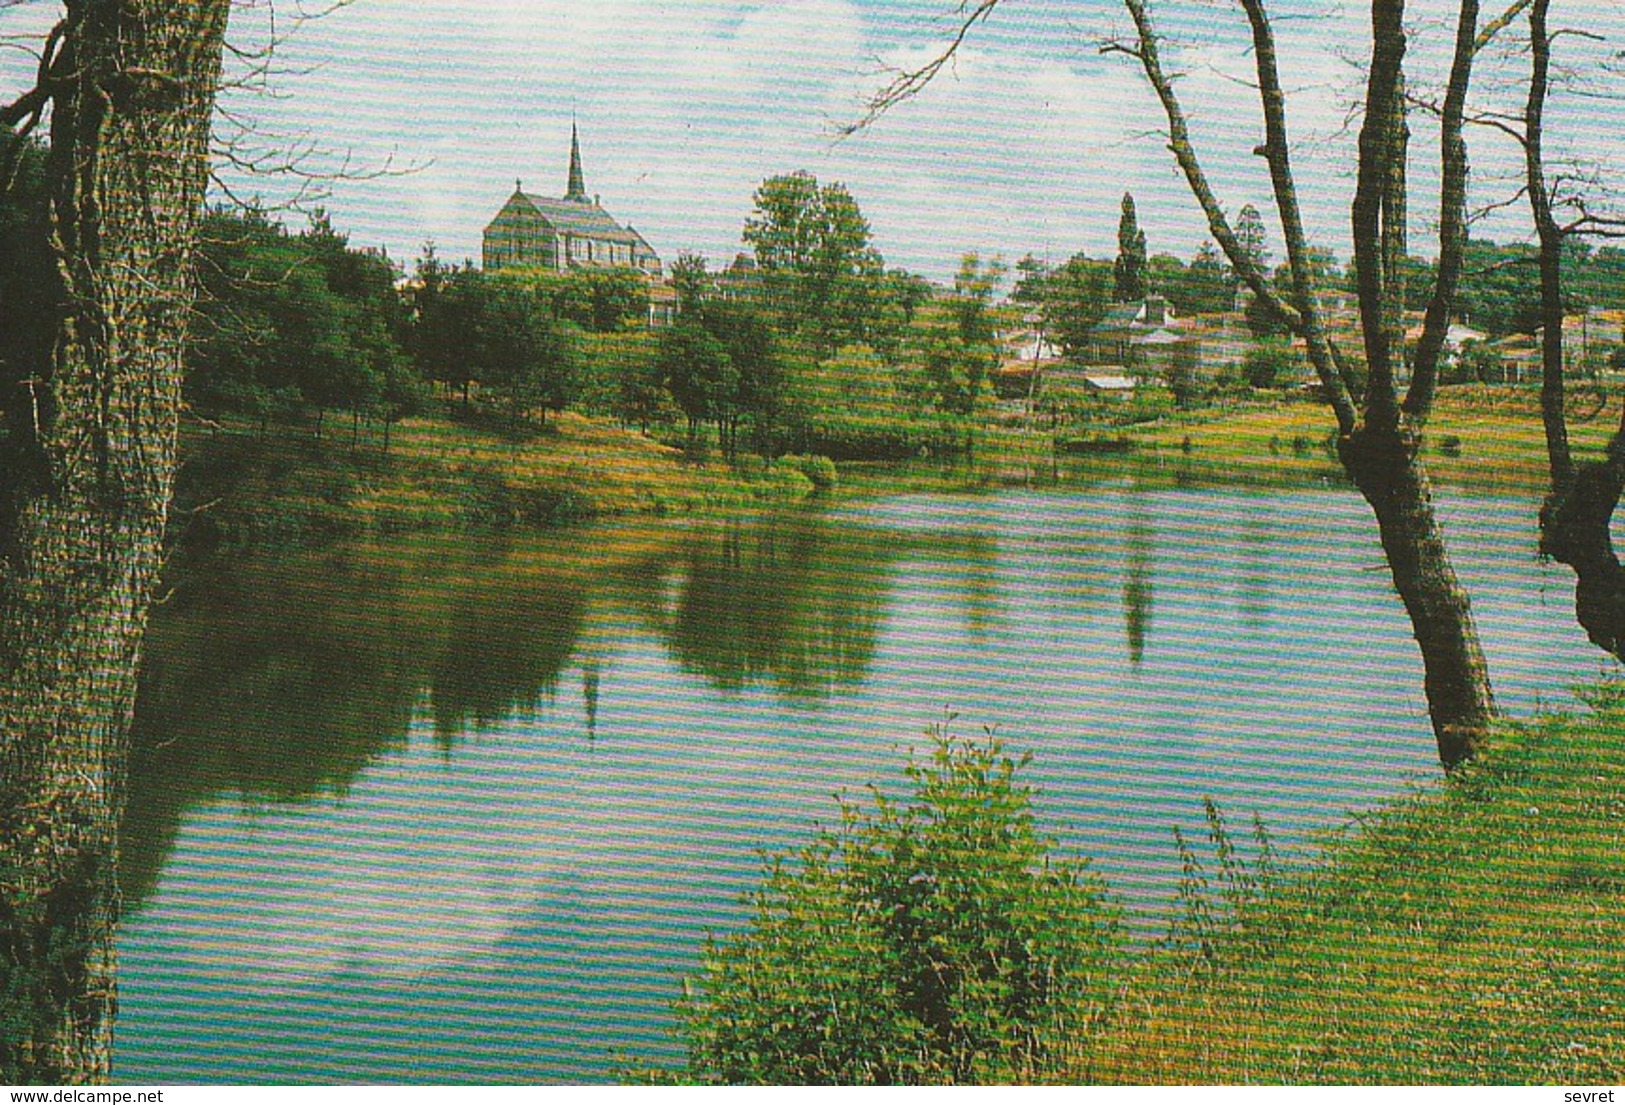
[1145, 337]
[1027, 346]
[574, 232]
[1595, 332]
[662, 306]
[1106, 383]
[741, 280]
[1071, 378]
[1519, 357]
[1456, 338]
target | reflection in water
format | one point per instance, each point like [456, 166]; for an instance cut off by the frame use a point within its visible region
[284, 679]
[1256, 577]
[590, 677]
[505, 634]
[372, 837]
[795, 604]
[1137, 588]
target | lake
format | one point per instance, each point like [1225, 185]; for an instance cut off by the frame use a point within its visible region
[464, 810]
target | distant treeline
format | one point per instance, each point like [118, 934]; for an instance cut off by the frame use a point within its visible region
[808, 344]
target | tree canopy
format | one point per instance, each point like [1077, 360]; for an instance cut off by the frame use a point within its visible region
[818, 265]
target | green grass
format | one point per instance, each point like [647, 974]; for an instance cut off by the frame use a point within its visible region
[1471, 933]
[1481, 437]
[444, 473]
[286, 487]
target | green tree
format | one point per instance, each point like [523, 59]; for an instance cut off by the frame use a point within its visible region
[896, 299]
[925, 940]
[1253, 237]
[698, 373]
[758, 374]
[600, 301]
[975, 285]
[1273, 363]
[1165, 276]
[236, 358]
[956, 377]
[1076, 297]
[523, 354]
[640, 397]
[1253, 240]
[448, 304]
[691, 280]
[1032, 281]
[1208, 287]
[364, 321]
[1129, 272]
[813, 249]
[285, 321]
[783, 232]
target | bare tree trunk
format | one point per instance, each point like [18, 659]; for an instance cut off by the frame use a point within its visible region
[1579, 509]
[1379, 442]
[1384, 466]
[1381, 456]
[131, 94]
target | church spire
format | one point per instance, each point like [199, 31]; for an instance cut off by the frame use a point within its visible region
[577, 189]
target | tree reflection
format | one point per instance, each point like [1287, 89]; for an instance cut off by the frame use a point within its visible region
[795, 602]
[281, 680]
[1137, 588]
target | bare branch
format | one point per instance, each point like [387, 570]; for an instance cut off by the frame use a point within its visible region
[1499, 24]
[1277, 152]
[908, 83]
[1452, 219]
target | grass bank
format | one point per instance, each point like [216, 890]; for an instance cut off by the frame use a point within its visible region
[1472, 933]
[239, 487]
[1488, 438]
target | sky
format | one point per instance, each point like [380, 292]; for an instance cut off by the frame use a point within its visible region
[425, 112]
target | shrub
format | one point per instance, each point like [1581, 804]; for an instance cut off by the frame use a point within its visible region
[820, 471]
[1272, 364]
[782, 482]
[928, 940]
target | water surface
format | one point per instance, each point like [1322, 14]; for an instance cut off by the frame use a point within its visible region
[464, 810]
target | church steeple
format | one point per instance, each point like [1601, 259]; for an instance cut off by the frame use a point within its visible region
[577, 189]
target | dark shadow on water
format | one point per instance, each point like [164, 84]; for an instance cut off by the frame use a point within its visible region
[795, 604]
[282, 679]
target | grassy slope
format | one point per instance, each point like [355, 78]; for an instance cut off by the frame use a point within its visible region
[1502, 443]
[1469, 934]
[440, 474]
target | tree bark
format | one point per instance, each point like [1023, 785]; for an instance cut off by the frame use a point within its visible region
[1379, 442]
[131, 93]
[1381, 456]
[1384, 466]
[1579, 510]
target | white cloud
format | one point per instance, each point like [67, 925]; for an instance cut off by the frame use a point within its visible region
[1026, 143]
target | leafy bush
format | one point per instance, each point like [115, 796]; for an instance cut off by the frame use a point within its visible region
[847, 438]
[781, 482]
[1272, 364]
[819, 470]
[928, 940]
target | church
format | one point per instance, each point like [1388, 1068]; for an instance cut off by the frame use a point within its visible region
[563, 234]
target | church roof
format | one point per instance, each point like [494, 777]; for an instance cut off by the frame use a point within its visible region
[584, 219]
